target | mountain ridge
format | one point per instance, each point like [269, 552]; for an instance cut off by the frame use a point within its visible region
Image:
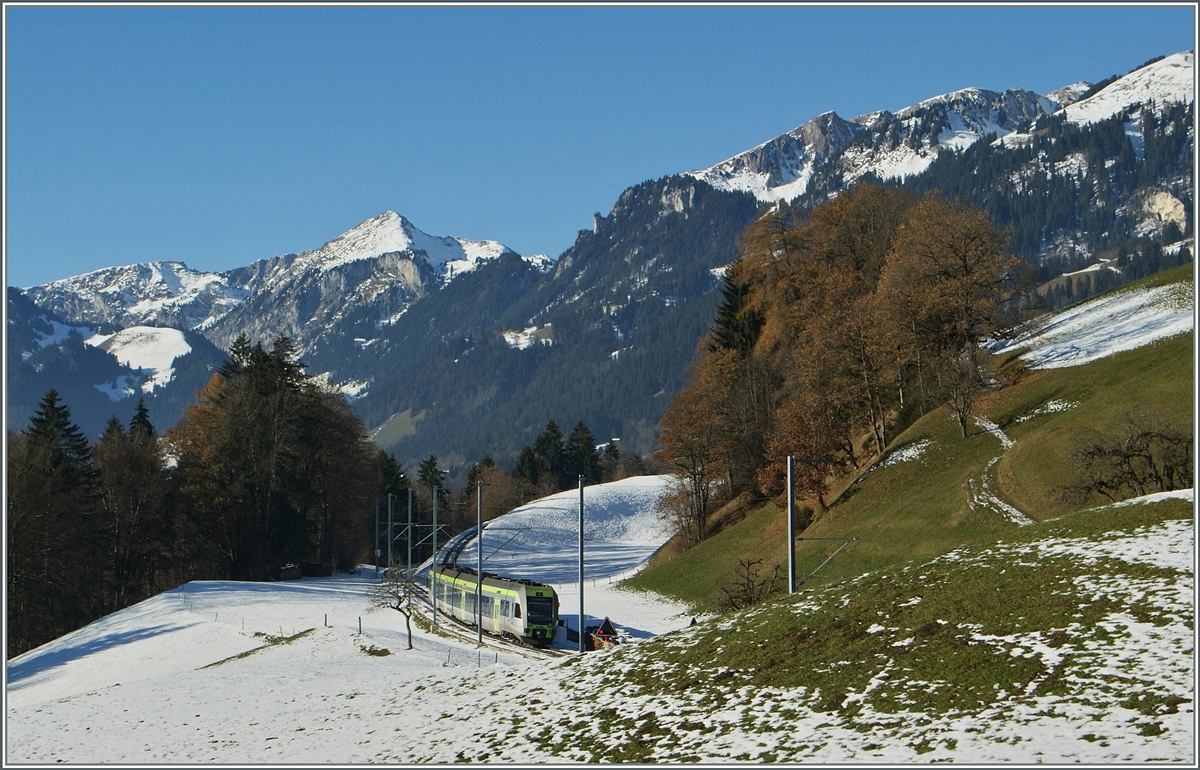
[351, 305]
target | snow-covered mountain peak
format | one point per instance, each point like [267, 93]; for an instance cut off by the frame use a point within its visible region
[1171, 79]
[392, 233]
[166, 278]
[151, 293]
[388, 232]
[889, 145]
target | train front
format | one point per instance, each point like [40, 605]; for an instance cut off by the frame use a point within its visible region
[541, 606]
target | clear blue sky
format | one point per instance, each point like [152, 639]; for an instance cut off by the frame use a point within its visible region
[222, 135]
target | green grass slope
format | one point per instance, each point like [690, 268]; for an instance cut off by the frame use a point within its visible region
[935, 490]
[1067, 641]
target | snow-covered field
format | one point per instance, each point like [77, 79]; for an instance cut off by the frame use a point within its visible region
[279, 672]
[140, 685]
[148, 348]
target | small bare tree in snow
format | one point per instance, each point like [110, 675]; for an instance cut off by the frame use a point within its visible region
[397, 591]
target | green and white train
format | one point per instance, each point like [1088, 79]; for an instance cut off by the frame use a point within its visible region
[522, 609]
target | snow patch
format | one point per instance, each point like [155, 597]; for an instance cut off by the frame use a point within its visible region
[1050, 407]
[907, 453]
[151, 349]
[59, 333]
[520, 340]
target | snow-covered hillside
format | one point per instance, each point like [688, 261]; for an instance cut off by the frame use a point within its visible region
[150, 666]
[540, 540]
[1168, 80]
[150, 349]
[1111, 323]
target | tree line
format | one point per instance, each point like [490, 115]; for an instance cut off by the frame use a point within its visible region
[551, 464]
[267, 467]
[836, 328]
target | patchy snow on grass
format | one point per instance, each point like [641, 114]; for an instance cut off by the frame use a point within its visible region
[1050, 407]
[907, 453]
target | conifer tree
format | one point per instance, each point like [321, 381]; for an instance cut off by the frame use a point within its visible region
[580, 455]
[51, 530]
[610, 462]
[140, 422]
[274, 468]
[737, 325]
[548, 451]
[51, 429]
[134, 484]
[525, 470]
[390, 478]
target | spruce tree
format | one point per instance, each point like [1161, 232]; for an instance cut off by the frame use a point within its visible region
[610, 462]
[390, 478]
[140, 422]
[51, 428]
[735, 326]
[54, 544]
[526, 466]
[548, 450]
[580, 454]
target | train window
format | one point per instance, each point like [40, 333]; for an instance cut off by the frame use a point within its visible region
[505, 607]
[541, 610]
[516, 609]
[487, 606]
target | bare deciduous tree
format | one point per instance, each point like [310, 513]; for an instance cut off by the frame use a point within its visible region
[397, 591]
[747, 588]
[1146, 453]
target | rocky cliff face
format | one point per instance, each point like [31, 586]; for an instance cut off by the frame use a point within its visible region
[828, 152]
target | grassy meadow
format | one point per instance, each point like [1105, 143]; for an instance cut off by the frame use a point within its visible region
[923, 497]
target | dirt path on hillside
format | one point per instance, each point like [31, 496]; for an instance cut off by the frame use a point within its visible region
[981, 493]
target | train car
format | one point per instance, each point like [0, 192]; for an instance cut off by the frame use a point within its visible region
[522, 609]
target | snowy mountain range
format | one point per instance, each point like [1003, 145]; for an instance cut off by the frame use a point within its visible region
[407, 322]
[902, 144]
[385, 264]
[886, 144]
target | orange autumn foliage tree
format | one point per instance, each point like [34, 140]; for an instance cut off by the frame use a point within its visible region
[869, 307]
